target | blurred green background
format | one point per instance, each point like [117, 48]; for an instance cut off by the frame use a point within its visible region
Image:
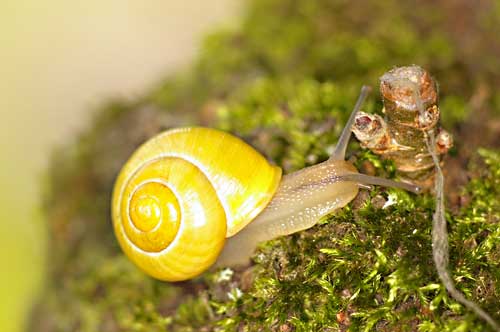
[58, 60]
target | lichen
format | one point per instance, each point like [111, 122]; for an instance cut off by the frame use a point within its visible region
[285, 81]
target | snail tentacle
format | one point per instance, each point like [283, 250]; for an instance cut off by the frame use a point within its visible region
[341, 147]
[364, 179]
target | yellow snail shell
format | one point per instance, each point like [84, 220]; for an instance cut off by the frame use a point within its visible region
[182, 193]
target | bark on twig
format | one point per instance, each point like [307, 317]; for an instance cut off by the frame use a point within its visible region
[400, 136]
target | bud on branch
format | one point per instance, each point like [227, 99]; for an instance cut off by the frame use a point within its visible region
[400, 136]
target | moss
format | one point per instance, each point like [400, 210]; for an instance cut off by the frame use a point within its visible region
[370, 268]
[285, 80]
[296, 123]
[347, 274]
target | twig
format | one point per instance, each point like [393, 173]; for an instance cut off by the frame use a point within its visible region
[400, 136]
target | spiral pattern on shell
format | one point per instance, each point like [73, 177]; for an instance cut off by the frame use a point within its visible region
[182, 193]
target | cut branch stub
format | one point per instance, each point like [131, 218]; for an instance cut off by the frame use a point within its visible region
[411, 108]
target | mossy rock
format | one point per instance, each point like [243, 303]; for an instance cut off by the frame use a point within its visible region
[285, 80]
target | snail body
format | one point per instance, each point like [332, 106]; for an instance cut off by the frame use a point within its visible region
[186, 191]
[302, 198]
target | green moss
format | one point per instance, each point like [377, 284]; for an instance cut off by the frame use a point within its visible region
[285, 80]
[296, 123]
[370, 268]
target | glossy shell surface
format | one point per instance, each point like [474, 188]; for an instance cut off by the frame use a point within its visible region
[182, 193]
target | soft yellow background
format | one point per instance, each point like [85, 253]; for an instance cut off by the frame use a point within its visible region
[58, 59]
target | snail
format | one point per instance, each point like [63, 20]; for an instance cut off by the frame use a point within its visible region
[188, 193]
